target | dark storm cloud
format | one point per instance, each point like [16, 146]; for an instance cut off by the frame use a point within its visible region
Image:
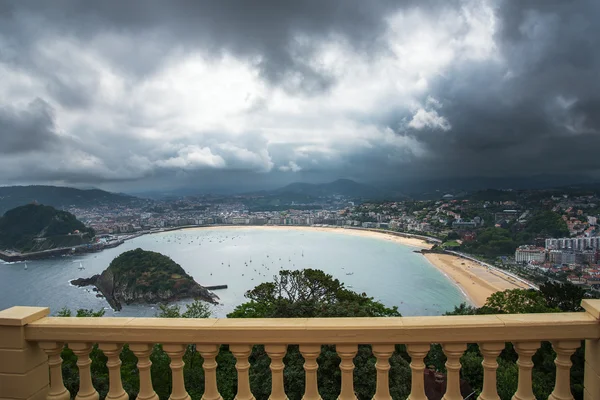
[277, 36]
[537, 112]
[27, 129]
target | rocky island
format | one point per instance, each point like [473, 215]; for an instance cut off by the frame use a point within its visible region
[146, 277]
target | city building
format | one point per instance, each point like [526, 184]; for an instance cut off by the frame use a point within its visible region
[530, 254]
[579, 243]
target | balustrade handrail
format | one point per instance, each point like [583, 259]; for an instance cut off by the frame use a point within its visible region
[31, 344]
[397, 330]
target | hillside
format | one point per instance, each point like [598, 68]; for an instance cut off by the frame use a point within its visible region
[140, 276]
[343, 187]
[36, 227]
[14, 196]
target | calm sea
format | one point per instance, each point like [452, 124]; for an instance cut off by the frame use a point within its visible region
[242, 258]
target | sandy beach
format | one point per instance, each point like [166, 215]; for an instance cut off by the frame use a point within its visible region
[476, 281]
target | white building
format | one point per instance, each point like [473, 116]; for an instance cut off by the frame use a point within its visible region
[579, 243]
[529, 254]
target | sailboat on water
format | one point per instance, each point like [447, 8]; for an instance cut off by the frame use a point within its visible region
[25, 268]
[81, 265]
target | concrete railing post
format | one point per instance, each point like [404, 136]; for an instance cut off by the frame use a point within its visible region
[23, 365]
[591, 380]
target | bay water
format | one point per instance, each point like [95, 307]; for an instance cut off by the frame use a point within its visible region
[242, 258]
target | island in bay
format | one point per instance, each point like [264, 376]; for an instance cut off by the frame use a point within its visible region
[146, 277]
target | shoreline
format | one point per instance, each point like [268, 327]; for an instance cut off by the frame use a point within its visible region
[475, 281]
[390, 236]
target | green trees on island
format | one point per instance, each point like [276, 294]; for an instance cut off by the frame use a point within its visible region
[312, 293]
[149, 271]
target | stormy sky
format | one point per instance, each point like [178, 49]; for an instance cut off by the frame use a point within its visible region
[150, 94]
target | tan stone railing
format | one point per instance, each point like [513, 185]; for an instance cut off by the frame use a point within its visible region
[31, 343]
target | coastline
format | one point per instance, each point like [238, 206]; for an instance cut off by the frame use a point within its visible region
[475, 281]
[407, 241]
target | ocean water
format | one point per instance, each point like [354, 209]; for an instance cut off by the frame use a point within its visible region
[242, 258]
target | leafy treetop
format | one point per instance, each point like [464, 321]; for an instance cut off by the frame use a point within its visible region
[305, 294]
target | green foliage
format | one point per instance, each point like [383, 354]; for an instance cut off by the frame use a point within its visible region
[547, 224]
[564, 296]
[149, 271]
[493, 242]
[308, 293]
[518, 301]
[20, 226]
[196, 309]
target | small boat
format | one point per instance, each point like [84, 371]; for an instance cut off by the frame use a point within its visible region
[349, 273]
[81, 265]
[25, 266]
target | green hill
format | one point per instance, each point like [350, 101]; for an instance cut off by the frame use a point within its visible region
[140, 276]
[36, 227]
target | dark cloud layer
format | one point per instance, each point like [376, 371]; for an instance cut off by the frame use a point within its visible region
[28, 129]
[530, 105]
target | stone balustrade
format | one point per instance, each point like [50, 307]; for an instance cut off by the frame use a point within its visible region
[31, 344]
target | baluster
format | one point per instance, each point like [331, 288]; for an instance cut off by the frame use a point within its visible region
[241, 352]
[525, 350]
[453, 352]
[564, 350]
[417, 353]
[490, 352]
[115, 390]
[209, 352]
[310, 352]
[142, 351]
[86, 388]
[175, 353]
[276, 353]
[383, 352]
[57, 390]
[347, 352]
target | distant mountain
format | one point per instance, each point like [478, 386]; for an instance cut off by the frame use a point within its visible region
[343, 187]
[34, 227]
[56, 196]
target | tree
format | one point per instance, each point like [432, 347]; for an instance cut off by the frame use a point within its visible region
[517, 301]
[308, 293]
[564, 296]
[196, 309]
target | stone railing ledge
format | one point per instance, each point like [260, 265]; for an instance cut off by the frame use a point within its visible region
[592, 306]
[23, 365]
[21, 315]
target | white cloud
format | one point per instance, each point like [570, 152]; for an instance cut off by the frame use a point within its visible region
[428, 119]
[292, 166]
[193, 157]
